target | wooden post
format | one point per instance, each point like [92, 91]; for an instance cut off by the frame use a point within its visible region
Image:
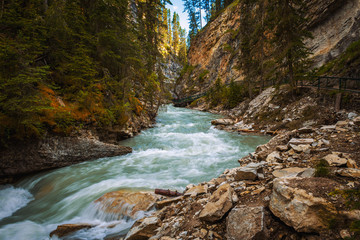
[338, 102]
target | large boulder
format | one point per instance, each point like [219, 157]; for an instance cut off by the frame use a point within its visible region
[219, 204]
[294, 202]
[125, 203]
[246, 223]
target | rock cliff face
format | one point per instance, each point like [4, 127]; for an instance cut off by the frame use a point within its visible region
[335, 24]
[53, 152]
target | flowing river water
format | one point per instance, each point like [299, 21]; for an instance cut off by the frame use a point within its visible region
[182, 148]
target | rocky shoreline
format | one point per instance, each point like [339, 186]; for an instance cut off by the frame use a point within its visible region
[55, 151]
[293, 187]
[281, 191]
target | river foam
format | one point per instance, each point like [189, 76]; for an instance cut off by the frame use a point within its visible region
[182, 148]
[12, 199]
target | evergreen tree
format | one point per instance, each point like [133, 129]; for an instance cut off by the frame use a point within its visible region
[290, 52]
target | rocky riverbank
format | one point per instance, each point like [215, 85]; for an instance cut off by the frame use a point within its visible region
[293, 187]
[302, 184]
[285, 190]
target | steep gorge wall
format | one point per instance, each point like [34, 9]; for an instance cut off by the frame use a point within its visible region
[335, 24]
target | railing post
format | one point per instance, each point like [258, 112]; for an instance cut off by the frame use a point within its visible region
[340, 84]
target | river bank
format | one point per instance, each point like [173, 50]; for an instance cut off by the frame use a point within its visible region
[182, 148]
[302, 184]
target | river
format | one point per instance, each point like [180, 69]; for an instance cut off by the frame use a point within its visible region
[182, 148]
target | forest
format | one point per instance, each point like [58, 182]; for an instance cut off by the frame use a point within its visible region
[66, 65]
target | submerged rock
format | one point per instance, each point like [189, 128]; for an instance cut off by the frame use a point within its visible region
[125, 203]
[67, 229]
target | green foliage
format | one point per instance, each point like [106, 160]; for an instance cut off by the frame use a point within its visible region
[65, 64]
[352, 198]
[322, 169]
[342, 64]
[227, 95]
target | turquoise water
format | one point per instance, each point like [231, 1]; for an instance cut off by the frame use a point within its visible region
[182, 148]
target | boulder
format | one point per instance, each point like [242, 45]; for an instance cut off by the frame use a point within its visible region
[273, 157]
[197, 190]
[222, 121]
[294, 172]
[335, 160]
[244, 173]
[125, 203]
[300, 148]
[246, 223]
[220, 202]
[301, 141]
[143, 229]
[298, 207]
[66, 229]
[349, 172]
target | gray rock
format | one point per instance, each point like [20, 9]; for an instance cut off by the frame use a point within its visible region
[246, 223]
[352, 115]
[222, 121]
[54, 152]
[245, 173]
[301, 141]
[299, 208]
[329, 128]
[219, 203]
[335, 160]
[282, 148]
[349, 172]
[273, 157]
[305, 130]
[294, 172]
[300, 148]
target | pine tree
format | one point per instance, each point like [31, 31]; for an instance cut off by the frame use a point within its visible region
[290, 52]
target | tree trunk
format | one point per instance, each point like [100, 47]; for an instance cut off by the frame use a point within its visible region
[2, 8]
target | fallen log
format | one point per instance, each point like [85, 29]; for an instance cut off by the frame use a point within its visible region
[167, 193]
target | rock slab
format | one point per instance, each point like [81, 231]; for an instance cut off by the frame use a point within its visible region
[246, 223]
[125, 203]
[298, 208]
[219, 204]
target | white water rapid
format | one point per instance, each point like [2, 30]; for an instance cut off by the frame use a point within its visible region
[183, 148]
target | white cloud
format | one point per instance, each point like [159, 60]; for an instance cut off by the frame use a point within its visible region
[175, 7]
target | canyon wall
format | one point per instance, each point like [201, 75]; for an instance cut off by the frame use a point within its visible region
[214, 53]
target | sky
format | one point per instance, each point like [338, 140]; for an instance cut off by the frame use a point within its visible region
[178, 6]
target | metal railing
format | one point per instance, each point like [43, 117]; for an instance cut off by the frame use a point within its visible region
[345, 84]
